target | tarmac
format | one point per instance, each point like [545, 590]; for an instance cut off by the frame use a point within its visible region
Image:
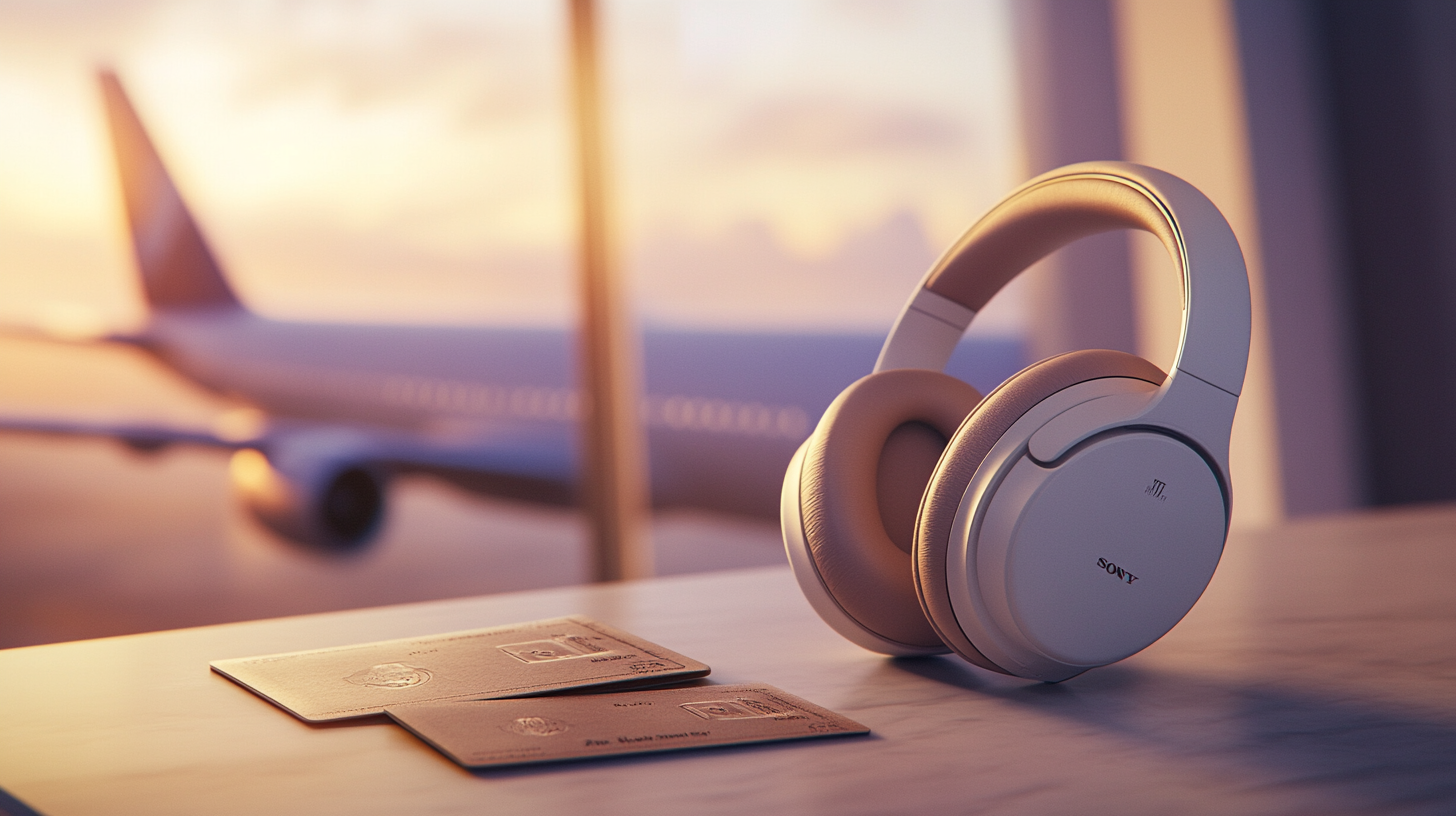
[99, 540]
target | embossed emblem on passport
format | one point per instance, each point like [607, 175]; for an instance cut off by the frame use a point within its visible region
[516, 660]
[731, 710]
[390, 676]
[540, 651]
[492, 733]
[536, 727]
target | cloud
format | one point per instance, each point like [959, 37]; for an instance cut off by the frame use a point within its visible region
[746, 276]
[58, 28]
[483, 66]
[325, 271]
[825, 127]
[483, 61]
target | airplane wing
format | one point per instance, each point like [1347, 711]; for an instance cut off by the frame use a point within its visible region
[68, 323]
[323, 484]
[139, 435]
[70, 335]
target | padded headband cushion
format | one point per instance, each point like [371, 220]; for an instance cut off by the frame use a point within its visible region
[969, 447]
[868, 576]
[1069, 203]
[1034, 222]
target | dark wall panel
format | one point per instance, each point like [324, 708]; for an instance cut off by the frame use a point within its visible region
[1391, 72]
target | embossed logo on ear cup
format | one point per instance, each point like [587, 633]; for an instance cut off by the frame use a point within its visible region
[1036, 591]
[867, 576]
[980, 432]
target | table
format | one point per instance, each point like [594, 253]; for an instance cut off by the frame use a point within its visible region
[1317, 675]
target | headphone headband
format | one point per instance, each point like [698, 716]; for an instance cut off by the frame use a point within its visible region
[1056, 208]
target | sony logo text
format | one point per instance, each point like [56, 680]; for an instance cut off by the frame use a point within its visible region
[1113, 569]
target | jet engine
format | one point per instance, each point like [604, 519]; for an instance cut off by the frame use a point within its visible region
[310, 495]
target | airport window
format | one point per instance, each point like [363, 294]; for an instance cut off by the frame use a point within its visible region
[393, 186]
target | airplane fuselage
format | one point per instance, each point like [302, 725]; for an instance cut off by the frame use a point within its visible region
[723, 411]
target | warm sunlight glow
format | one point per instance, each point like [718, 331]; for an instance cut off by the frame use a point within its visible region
[776, 164]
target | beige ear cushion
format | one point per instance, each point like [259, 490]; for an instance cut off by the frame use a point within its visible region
[868, 576]
[972, 442]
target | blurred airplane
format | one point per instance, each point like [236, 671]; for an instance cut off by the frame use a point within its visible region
[328, 412]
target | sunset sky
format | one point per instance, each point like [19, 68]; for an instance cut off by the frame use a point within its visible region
[790, 165]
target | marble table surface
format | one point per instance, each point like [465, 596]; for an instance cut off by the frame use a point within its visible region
[1316, 675]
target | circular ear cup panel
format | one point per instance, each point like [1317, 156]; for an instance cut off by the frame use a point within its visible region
[985, 426]
[862, 568]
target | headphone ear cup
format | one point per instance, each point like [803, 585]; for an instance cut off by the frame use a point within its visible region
[845, 462]
[972, 442]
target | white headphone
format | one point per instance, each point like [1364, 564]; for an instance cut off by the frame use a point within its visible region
[1077, 512]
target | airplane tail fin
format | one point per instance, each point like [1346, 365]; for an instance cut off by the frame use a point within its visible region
[178, 269]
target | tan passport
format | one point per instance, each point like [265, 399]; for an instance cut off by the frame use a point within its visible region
[518, 660]
[548, 729]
